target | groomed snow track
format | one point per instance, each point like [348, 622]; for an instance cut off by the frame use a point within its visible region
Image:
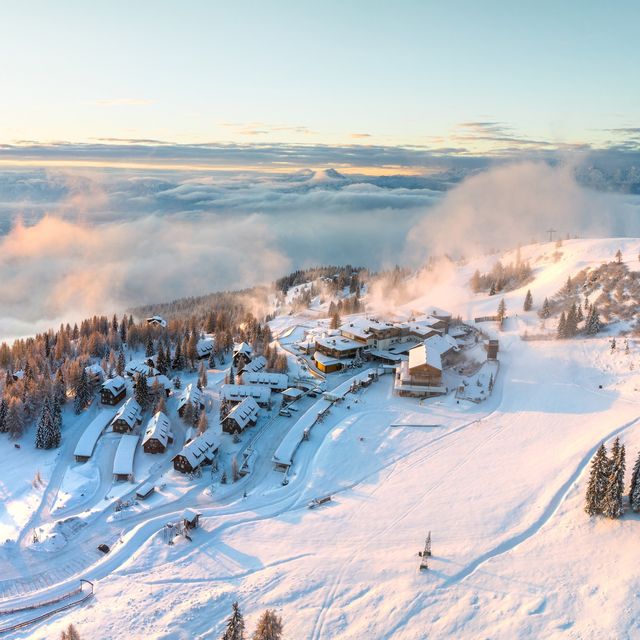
[81, 591]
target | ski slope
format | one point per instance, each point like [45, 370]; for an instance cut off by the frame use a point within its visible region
[499, 484]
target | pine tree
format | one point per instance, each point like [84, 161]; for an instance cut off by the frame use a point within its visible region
[618, 256]
[148, 351]
[235, 625]
[597, 485]
[571, 326]
[178, 359]
[3, 415]
[562, 327]
[269, 627]
[45, 425]
[212, 357]
[593, 324]
[335, 320]
[580, 314]
[83, 392]
[161, 361]
[528, 301]
[615, 482]
[545, 312]
[634, 487]
[141, 391]
[56, 423]
[492, 289]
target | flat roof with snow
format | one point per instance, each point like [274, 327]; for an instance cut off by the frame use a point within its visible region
[290, 443]
[89, 437]
[125, 453]
[338, 343]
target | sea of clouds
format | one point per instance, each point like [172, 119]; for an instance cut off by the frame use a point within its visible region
[74, 243]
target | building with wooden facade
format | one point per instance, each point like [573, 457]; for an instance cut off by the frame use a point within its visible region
[200, 451]
[113, 391]
[127, 417]
[243, 415]
[242, 354]
[191, 394]
[157, 435]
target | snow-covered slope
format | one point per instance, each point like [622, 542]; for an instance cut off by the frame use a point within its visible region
[499, 484]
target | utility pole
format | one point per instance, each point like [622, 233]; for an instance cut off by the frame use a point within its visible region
[551, 231]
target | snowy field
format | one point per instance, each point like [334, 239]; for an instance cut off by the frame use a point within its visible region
[500, 484]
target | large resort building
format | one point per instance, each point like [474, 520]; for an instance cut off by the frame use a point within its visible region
[386, 342]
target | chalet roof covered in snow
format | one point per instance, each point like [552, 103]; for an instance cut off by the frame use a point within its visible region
[244, 412]
[422, 354]
[422, 327]
[114, 385]
[257, 364]
[238, 392]
[362, 328]
[271, 380]
[87, 442]
[129, 412]
[126, 451]
[243, 347]
[157, 320]
[94, 370]
[326, 360]
[202, 448]
[190, 394]
[442, 344]
[140, 367]
[204, 347]
[158, 428]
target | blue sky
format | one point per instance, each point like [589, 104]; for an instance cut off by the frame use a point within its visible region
[465, 75]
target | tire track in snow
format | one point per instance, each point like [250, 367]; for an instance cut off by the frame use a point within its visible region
[549, 511]
[327, 605]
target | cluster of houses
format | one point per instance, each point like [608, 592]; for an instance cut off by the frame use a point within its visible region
[371, 339]
[418, 349]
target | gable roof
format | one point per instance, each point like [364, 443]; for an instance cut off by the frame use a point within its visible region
[244, 412]
[129, 412]
[243, 347]
[158, 428]
[237, 392]
[257, 364]
[202, 448]
[190, 394]
[274, 380]
[114, 385]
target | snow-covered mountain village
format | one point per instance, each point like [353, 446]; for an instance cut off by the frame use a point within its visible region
[448, 460]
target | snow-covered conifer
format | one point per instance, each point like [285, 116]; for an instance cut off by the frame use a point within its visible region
[612, 507]
[528, 301]
[597, 482]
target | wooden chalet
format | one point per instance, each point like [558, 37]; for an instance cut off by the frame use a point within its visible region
[95, 374]
[193, 395]
[243, 415]
[242, 355]
[113, 391]
[127, 417]
[157, 434]
[200, 451]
